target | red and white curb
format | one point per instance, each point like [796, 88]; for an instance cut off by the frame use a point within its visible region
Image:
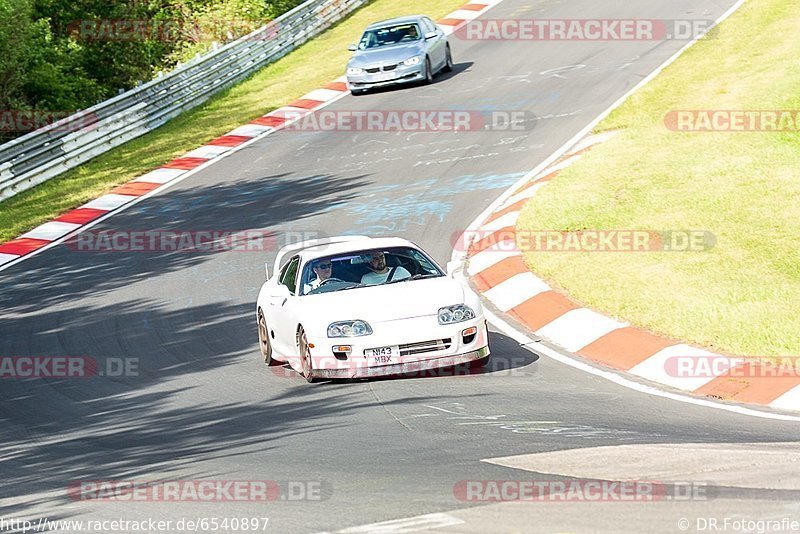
[496, 269]
[125, 195]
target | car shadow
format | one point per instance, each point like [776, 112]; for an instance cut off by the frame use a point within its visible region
[458, 68]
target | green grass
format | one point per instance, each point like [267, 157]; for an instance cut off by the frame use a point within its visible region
[307, 68]
[743, 296]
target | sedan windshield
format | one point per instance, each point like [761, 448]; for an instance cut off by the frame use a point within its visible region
[389, 35]
[366, 268]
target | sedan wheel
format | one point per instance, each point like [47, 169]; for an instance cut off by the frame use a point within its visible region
[428, 72]
[305, 354]
[448, 66]
[263, 340]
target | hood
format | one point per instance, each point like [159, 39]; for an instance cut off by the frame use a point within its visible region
[386, 54]
[377, 304]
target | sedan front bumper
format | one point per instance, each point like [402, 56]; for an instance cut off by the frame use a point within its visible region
[403, 368]
[381, 79]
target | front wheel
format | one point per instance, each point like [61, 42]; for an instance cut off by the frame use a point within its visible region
[448, 65]
[428, 72]
[305, 355]
[263, 340]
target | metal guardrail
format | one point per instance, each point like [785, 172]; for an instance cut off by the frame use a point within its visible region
[47, 152]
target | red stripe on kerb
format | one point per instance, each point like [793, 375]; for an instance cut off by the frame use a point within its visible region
[269, 120]
[305, 103]
[625, 347]
[230, 140]
[81, 215]
[336, 86]
[474, 7]
[450, 22]
[22, 246]
[135, 188]
[184, 163]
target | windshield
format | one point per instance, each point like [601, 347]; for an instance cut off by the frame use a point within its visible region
[366, 268]
[389, 35]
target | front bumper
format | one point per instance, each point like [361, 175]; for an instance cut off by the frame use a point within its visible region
[419, 351]
[403, 368]
[381, 79]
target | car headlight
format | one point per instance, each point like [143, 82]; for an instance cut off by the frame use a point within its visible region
[411, 61]
[354, 70]
[455, 314]
[355, 328]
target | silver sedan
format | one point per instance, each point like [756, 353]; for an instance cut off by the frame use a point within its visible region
[400, 50]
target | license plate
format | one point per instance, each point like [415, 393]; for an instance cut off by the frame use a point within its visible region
[382, 354]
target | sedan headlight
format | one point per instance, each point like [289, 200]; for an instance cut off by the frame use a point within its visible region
[411, 61]
[355, 328]
[354, 70]
[455, 314]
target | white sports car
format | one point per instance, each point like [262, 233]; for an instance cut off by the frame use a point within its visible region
[355, 307]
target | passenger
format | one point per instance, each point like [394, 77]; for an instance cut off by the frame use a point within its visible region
[380, 272]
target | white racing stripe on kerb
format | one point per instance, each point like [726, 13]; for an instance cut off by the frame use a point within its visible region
[559, 166]
[5, 258]
[655, 367]
[492, 255]
[250, 130]
[509, 219]
[516, 290]
[109, 202]
[160, 176]
[788, 401]
[578, 328]
[323, 95]
[522, 195]
[51, 231]
[463, 14]
[412, 524]
[592, 140]
[207, 152]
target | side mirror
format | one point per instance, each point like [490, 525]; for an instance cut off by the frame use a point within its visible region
[352, 48]
[452, 267]
[431, 35]
[281, 291]
[266, 270]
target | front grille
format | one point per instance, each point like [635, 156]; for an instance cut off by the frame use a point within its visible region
[373, 70]
[389, 67]
[425, 346]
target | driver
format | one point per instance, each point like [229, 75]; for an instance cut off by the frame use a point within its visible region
[323, 270]
[380, 272]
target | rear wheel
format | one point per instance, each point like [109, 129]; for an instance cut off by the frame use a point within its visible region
[305, 355]
[263, 340]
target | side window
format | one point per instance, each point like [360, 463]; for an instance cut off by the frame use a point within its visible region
[289, 274]
[428, 25]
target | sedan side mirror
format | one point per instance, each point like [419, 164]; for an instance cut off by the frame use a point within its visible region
[352, 48]
[281, 291]
[431, 35]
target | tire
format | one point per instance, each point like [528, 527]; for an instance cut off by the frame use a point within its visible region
[358, 92]
[305, 356]
[448, 64]
[428, 72]
[479, 364]
[263, 340]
